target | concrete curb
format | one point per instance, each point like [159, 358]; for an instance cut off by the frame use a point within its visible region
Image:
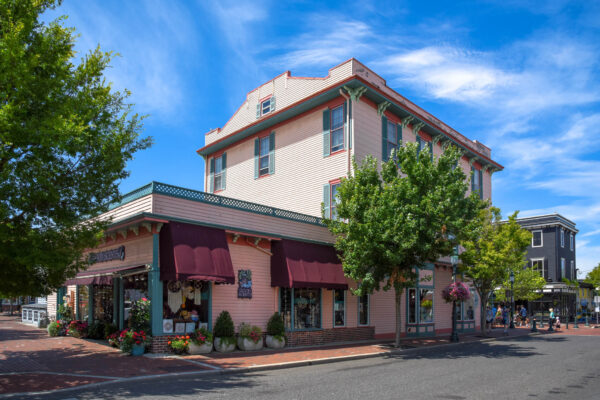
[260, 368]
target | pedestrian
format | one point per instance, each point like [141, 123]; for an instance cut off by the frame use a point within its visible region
[523, 313]
[505, 317]
[494, 311]
[489, 319]
[552, 319]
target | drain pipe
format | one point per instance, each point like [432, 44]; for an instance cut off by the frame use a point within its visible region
[349, 130]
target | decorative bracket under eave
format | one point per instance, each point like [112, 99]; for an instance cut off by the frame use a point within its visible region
[436, 139]
[417, 127]
[407, 121]
[471, 161]
[485, 168]
[381, 107]
[356, 93]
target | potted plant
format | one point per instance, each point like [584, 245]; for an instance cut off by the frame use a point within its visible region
[133, 342]
[201, 342]
[275, 332]
[57, 328]
[77, 329]
[113, 339]
[456, 291]
[179, 344]
[249, 337]
[224, 333]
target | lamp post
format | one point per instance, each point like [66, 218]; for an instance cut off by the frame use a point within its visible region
[512, 301]
[454, 261]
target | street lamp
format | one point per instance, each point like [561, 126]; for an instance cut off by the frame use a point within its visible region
[512, 301]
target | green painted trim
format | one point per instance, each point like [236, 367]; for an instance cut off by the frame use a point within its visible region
[121, 305]
[116, 301]
[292, 329]
[90, 304]
[216, 200]
[155, 290]
[60, 293]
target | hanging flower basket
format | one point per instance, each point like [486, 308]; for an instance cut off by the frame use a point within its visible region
[456, 291]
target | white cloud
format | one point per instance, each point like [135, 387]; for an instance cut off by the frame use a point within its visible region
[592, 233]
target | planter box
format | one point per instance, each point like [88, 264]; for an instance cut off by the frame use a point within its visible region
[249, 345]
[138, 349]
[205, 348]
[274, 343]
[223, 347]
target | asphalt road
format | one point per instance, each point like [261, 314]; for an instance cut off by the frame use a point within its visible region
[534, 367]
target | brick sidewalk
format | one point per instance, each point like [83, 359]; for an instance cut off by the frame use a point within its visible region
[30, 360]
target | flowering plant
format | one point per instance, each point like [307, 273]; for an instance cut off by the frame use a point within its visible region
[139, 319]
[58, 328]
[77, 329]
[251, 332]
[456, 291]
[179, 344]
[127, 338]
[113, 339]
[201, 336]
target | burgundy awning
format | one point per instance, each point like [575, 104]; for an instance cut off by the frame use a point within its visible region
[305, 265]
[194, 252]
[98, 276]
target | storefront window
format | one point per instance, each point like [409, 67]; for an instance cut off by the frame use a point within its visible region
[426, 305]
[83, 298]
[469, 307]
[303, 306]
[186, 302]
[135, 287]
[339, 307]
[363, 310]
[412, 306]
[103, 302]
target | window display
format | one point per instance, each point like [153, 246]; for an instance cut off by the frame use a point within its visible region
[103, 302]
[135, 287]
[186, 303]
[426, 305]
[83, 297]
[339, 307]
[303, 306]
[412, 306]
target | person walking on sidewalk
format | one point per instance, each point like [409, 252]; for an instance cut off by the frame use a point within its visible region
[489, 319]
[523, 313]
[505, 317]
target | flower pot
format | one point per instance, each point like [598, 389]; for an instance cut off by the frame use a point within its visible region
[205, 348]
[222, 346]
[274, 343]
[138, 349]
[248, 344]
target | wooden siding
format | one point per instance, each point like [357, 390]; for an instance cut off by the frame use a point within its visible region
[138, 251]
[264, 302]
[205, 213]
[300, 168]
[51, 301]
[143, 204]
[287, 90]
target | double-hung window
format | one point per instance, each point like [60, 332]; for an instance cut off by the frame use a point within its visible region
[339, 307]
[475, 184]
[536, 239]
[263, 157]
[572, 240]
[392, 138]
[572, 272]
[537, 264]
[265, 106]
[563, 267]
[218, 177]
[334, 199]
[562, 238]
[337, 129]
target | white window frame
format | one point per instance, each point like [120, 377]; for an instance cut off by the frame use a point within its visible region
[218, 162]
[341, 128]
[394, 144]
[562, 238]
[542, 260]
[267, 140]
[541, 238]
[572, 240]
[563, 268]
[265, 106]
[333, 199]
[345, 296]
[573, 275]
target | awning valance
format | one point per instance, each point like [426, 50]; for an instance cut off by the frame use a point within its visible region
[194, 252]
[305, 265]
[99, 276]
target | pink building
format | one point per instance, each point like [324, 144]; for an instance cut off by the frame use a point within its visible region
[267, 172]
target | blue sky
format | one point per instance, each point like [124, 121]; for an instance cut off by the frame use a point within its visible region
[521, 77]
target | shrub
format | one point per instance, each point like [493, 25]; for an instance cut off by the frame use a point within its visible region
[109, 329]
[224, 327]
[201, 336]
[77, 329]
[127, 338]
[251, 332]
[96, 330]
[179, 344]
[275, 326]
[56, 328]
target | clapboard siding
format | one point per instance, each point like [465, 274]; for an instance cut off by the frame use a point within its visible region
[263, 304]
[442, 311]
[51, 302]
[383, 312]
[138, 251]
[300, 168]
[228, 217]
[143, 204]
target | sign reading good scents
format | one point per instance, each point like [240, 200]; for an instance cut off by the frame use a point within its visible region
[107, 255]
[245, 284]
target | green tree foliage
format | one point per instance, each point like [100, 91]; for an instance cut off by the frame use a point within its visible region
[390, 222]
[65, 139]
[528, 285]
[491, 251]
[593, 277]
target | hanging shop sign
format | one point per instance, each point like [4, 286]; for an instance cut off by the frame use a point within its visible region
[107, 255]
[245, 284]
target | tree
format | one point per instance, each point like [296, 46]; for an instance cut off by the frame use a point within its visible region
[593, 277]
[389, 222]
[65, 139]
[528, 285]
[492, 250]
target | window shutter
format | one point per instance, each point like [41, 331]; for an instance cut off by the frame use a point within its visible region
[272, 103]
[419, 144]
[224, 171]
[431, 150]
[211, 176]
[399, 134]
[384, 150]
[272, 153]
[258, 111]
[481, 184]
[472, 179]
[256, 151]
[326, 127]
[349, 125]
[326, 202]
[345, 126]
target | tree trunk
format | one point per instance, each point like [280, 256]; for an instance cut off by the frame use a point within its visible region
[398, 316]
[483, 314]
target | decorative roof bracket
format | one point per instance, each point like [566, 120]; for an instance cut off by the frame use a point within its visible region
[417, 127]
[356, 93]
[381, 107]
[436, 139]
[407, 121]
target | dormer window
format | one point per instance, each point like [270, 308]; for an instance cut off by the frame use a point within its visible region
[265, 106]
